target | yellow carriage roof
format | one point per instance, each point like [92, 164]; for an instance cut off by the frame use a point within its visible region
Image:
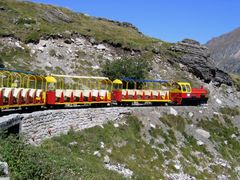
[117, 81]
[50, 79]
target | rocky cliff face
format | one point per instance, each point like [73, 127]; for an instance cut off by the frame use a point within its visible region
[225, 51]
[198, 61]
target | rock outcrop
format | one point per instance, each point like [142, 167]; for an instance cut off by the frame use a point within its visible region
[3, 170]
[198, 61]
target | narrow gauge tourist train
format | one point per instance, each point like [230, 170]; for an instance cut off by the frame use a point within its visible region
[20, 89]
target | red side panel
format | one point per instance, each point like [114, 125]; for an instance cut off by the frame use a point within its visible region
[72, 97]
[135, 95]
[176, 97]
[143, 96]
[62, 98]
[126, 95]
[81, 97]
[106, 97]
[151, 96]
[19, 98]
[90, 97]
[41, 97]
[51, 97]
[10, 98]
[199, 92]
[34, 98]
[1, 97]
[27, 98]
[98, 97]
[117, 95]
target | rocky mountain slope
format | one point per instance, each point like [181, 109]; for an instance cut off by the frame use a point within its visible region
[169, 143]
[225, 51]
[48, 39]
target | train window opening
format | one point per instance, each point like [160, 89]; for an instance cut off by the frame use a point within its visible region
[51, 86]
[184, 88]
[117, 86]
[176, 86]
[188, 88]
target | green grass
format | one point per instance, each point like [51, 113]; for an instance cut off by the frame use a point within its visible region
[17, 14]
[231, 111]
[220, 133]
[236, 80]
[16, 58]
[175, 122]
[55, 158]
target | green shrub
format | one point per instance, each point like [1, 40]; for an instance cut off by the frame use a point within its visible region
[231, 111]
[33, 37]
[236, 80]
[136, 68]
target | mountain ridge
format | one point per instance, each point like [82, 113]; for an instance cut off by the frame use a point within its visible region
[225, 51]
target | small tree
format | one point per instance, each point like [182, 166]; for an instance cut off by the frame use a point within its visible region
[136, 68]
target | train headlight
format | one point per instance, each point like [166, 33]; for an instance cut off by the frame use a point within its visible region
[188, 95]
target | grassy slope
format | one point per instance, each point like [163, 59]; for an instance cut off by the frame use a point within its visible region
[236, 80]
[29, 21]
[57, 159]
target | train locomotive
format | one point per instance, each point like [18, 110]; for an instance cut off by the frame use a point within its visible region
[27, 90]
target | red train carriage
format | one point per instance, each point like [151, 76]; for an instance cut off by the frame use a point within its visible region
[128, 91]
[21, 89]
[69, 90]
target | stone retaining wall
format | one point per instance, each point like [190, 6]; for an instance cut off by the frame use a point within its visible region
[41, 125]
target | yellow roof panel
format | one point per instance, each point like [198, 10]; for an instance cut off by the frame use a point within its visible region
[117, 81]
[183, 83]
[50, 79]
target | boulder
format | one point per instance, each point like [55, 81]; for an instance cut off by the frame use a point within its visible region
[101, 47]
[55, 15]
[218, 101]
[200, 143]
[106, 159]
[177, 166]
[152, 126]
[102, 145]
[173, 111]
[68, 41]
[3, 169]
[233, 136]
[97, 153]
[73, 143]
[41, 49]
[116, 125]
[203, 133]
[2, 8]
[190, 114]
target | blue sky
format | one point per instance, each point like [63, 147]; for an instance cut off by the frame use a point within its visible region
[169, 20]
